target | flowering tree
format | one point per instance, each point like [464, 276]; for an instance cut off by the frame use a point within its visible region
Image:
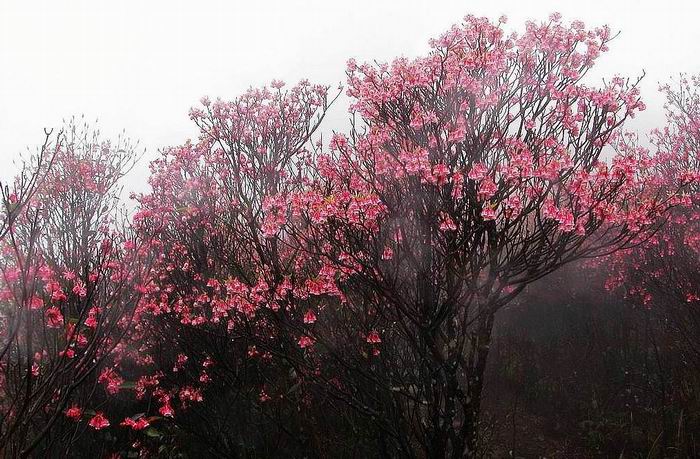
[477, 170]
[372, 273]
[664, 270]
[663, 274]
[215, 311]
[67, 290]
[292, 278]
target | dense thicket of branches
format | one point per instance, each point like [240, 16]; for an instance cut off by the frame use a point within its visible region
[420, 286]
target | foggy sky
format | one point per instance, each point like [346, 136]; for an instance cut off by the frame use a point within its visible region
[140, 65]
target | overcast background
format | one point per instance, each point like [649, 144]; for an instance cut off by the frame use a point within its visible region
[139, 65]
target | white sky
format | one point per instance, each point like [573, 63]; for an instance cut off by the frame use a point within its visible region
[139, 65]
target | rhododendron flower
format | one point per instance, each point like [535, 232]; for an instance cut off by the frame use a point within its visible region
[111, 379]
[166, 410]
[69, 353]
[190, 394]
[91, 320]
[80, 290]
[81, 340]
[36, 303]
[373, 337]
[309, 317]
[54, 318]
[488, 213]
[487, 189]
[140, 424]
[146, 382]
[477, 172]
[305, 342]
[98, 421]
[57, 295]
[45, 273]
[74, 412]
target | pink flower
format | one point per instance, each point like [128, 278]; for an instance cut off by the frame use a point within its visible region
[111, 379]
[309, 317]
[305, 342]
[80, 290]
[487, 189]
[190, 394]
[57, 294]
[70, 353]
[166, 410]
[373, 337]
[54, 318]
[477, 172]
[81, 340]
[98, 422]
[277, 84]
[36, 303]
[488, 213]
[91, 321]
[140, 424]
[74, 413]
